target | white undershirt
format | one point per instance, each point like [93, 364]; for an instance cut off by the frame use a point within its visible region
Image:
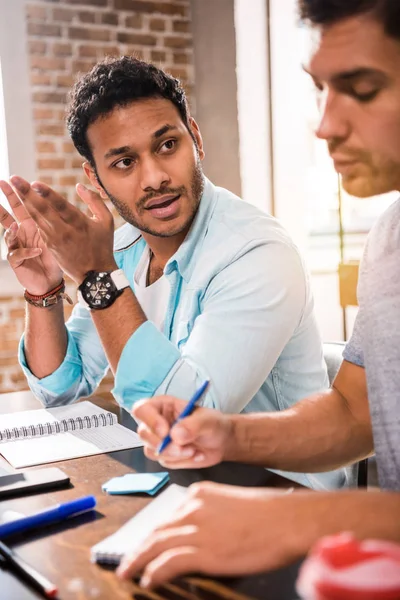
[152, 298]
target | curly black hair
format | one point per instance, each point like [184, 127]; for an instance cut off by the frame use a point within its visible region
[116, 82]
[327, 12]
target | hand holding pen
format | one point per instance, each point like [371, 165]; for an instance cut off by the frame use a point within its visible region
[192, 439]
[189, 408]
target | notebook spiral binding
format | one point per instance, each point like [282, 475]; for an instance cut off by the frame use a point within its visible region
[63, 426]
[106, 558]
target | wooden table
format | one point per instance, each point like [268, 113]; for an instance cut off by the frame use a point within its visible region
[61, 552]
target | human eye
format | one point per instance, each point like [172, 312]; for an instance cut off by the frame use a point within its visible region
[124, 163]
[168, 146]
[365, 96]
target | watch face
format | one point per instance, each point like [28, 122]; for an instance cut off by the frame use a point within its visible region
[98, 290]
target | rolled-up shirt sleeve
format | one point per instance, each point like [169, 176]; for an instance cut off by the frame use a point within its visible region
[84, 365]
[249, 311]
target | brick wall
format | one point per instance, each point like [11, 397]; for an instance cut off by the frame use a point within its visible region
[66, 38]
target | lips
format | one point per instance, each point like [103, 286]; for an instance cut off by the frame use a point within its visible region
[165, 207]
[162, 202]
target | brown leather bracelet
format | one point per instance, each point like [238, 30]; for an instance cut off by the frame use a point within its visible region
[50, 298]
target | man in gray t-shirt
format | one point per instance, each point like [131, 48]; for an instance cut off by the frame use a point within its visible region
[225, 530]
[375, 343]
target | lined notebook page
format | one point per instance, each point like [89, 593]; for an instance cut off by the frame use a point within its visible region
[63, 446]
[131, 536]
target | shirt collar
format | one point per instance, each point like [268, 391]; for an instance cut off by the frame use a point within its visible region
[185, 258]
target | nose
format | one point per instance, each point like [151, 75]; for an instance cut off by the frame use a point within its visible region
[153, 174]
[333, 124]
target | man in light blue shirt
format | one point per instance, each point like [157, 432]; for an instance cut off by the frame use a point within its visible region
[200, 284]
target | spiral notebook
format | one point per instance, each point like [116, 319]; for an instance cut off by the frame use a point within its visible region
[36, 437]
[131, 536]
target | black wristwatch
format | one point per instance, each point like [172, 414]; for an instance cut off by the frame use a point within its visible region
[100, 289]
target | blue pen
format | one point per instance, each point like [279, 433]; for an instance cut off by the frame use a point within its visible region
[189, 408]
[60, 512]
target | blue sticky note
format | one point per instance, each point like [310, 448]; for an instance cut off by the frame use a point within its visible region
[134, 483]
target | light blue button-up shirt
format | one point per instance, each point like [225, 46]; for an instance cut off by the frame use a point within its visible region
[240, 313]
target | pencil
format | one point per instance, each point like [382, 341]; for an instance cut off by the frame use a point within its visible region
[16, 564]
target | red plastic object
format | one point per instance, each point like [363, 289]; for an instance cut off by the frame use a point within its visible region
[341, 568]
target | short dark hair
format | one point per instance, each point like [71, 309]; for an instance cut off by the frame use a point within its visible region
[116, 82]
[328, 12]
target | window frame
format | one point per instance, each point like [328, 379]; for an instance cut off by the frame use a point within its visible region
[17, 102]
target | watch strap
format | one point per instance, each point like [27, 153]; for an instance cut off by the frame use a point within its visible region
[120, 279]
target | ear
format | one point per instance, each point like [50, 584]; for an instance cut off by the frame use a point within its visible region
[197, 136]
[91, 175]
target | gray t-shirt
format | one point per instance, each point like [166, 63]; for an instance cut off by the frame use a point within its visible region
[375, 343]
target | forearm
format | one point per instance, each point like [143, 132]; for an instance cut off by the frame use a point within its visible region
[116, 324]
[319, 433]
[367, 514]
[45, 339]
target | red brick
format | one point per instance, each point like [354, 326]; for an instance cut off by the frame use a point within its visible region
[88, 51]
[44, 29]
[43, 147]
[134, 21]
[83, 66]
[88, 2]
[47, 179]
[157, 24]
[86, 33]
[40, 79]
[109, 18]
[141, 39]
[68, 147]
[43, 113]
[18, 378]
[177, 42]
[47, 63]
[110, 51]
[61, 14]
[17, 313]
[87, 16]
[180, 58]
[36, 12]
[158, 56]
[8, 346]
[49, 97]
[76, 162]
[56, 129]
[181, 26]
[62, 49]
[65, 81]
[51, 163]
[37, 47]
[132, 51]
[67, 180]
[178, 72]
[150, 7]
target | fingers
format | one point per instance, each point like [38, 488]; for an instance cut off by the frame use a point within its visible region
[160, 541]
[17, 257]
[15, 203]
[172, 564]
[45, 205]
[95, 204]
[6, 219]
[11, 236]
[149, 413]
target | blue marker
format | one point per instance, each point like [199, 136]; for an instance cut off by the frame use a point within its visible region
[59, 512]
[189, 408]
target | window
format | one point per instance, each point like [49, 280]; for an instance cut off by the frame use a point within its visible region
[328, 224]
